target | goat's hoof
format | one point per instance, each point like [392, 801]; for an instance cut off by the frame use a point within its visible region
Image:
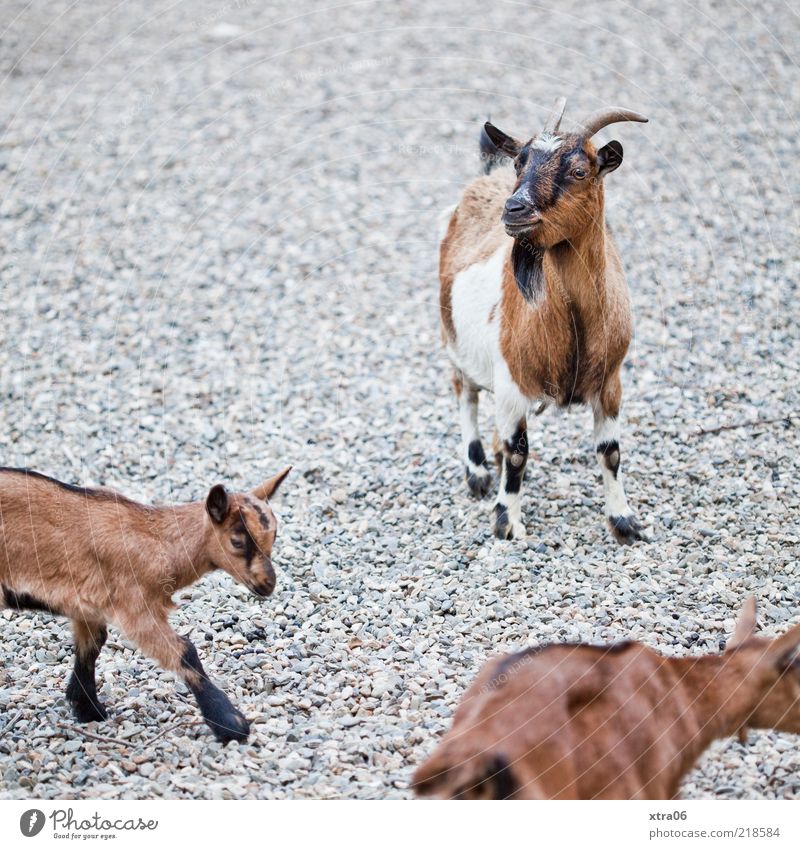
[505, 527]
[626, 529]
[89, 711]
[479, 483]
[231, 727]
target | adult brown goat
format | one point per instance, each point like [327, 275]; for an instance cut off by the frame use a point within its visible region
[98, 557]
[534, 305]
[609, 722]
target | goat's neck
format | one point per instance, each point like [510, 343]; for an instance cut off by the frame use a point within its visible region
[181, 532]
[578, 267]
[720, 697]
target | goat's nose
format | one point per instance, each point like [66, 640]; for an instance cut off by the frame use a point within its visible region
[515, 206]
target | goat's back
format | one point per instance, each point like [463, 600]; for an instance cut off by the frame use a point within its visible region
[476, 230]
[61, 543]
[563, 722]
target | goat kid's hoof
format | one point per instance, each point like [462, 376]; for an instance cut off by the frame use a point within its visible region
[89, 712]
[479, 483]
[231, 727]
[506, 528]
[626, 529]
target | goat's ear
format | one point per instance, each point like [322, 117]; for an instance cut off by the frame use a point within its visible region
[430, 776]
[270, 487]
[609, 158]
[490, 777]
[783, 650]
[503, 144]
[745, 624]
[217, 503]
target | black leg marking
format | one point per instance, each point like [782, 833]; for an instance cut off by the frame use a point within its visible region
[516, 456]
[478, 485]
[225, 721]
[475, 453]
[610, 452]
[626, 529]
[82, 688]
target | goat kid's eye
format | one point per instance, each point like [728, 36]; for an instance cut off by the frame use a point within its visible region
[237, 543]
[578, 173]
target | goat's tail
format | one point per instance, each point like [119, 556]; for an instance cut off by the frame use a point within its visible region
[490, 157]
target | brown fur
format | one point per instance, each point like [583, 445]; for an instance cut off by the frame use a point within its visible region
[620, 722]
[97, 557]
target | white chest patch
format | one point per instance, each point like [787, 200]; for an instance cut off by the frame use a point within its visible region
[476, 295]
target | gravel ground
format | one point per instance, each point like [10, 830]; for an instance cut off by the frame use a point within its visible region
[218, 256]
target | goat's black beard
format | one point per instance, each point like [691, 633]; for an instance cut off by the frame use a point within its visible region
[526, 260]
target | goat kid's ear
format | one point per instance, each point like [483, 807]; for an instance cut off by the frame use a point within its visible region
[488, 777]
[430, 776]
[783, 650]
[217, 503]
[609, 158]
[504, 144]
[270, 487]
[745, 624]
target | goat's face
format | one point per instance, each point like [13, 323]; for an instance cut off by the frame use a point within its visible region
[779, 707]
[243, 533]
[772, 667]
[483, 755]
[558, 193]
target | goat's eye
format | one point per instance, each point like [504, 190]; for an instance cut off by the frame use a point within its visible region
[578, 173]
[237, 543]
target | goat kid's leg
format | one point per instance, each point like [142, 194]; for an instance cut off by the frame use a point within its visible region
[178, 654]
[624, 525]
[90, 637]
[508, 509]
[478, 476]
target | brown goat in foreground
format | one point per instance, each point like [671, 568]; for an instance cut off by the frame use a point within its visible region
[97, 557]
[609, 722]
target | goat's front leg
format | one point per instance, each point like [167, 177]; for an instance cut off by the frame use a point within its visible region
[624, 525]
[156, 638]
[90, 637]
[477, 472]
[513, 434]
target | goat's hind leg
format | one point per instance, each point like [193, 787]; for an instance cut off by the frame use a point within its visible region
[82, 688]
[478, 477]
[156, 638]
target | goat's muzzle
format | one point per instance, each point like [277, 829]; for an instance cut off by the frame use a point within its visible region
[519, 217]
[265, 585]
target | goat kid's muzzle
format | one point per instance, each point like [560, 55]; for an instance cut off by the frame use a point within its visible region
[520, 217]
[265, 585]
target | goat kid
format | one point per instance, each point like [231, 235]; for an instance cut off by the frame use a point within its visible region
[534, 304]
[613, 722]
[98, 557]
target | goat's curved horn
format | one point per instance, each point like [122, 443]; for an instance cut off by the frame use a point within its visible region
[554, 119]
[597, 120]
